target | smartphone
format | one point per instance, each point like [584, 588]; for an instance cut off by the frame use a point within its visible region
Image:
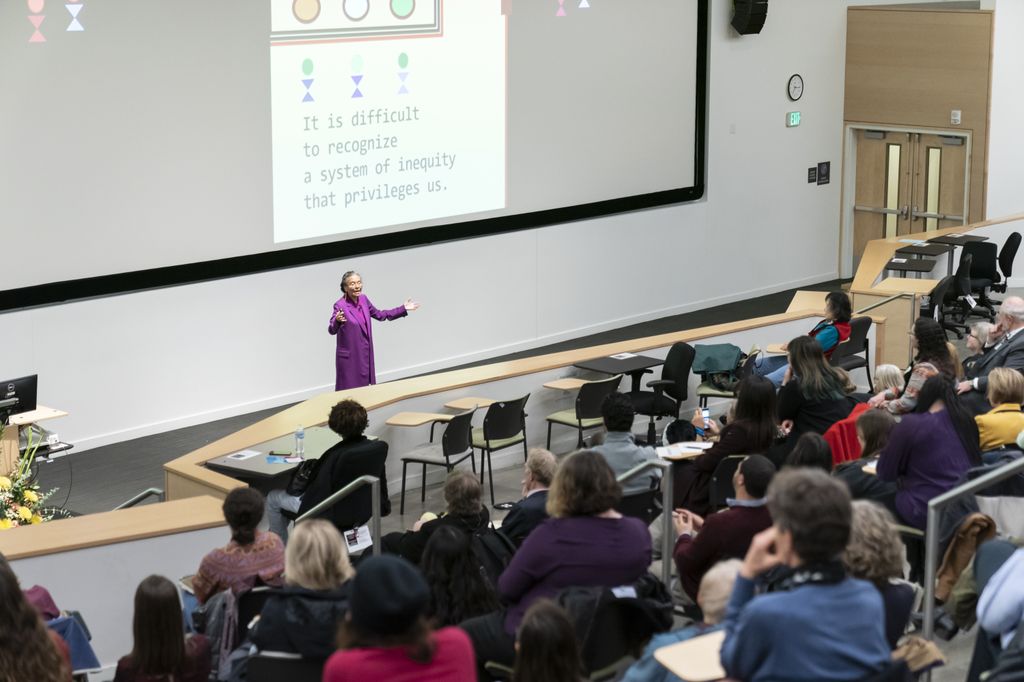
[706, 413]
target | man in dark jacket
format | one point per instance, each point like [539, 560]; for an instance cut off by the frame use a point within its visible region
[528, 512]
[355, 456]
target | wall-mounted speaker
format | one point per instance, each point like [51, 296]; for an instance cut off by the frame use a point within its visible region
[749, 15]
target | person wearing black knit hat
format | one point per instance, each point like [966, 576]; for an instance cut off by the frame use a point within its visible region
[386, 634]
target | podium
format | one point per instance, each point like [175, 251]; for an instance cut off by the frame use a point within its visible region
[9, 451]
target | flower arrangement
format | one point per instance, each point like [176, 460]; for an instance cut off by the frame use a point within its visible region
[21, 502]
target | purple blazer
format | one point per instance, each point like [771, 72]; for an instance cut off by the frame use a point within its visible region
[353, 360]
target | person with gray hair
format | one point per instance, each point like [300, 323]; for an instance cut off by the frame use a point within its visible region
[1007, 351]
[527, 513]
[350, 325]
[713, 597]
[978, 345]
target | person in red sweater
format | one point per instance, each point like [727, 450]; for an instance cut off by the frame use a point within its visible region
[703, 542]
[386, 635]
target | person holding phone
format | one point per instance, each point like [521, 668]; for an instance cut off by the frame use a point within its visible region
[350, 325]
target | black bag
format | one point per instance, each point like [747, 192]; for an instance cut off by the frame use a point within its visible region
[718, 364]
[493, 550]
[301, 477]
[679, 431]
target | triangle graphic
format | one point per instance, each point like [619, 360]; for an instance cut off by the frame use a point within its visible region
[584, 4]
[75, 26]
[403, 90]
[37, 37]
[37, 20]
[560, 12]
[307, 82]
[74, 10]
[356, 94]
[357, 78]
[402, 75]
[307, 98]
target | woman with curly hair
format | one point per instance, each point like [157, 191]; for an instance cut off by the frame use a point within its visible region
[459, 589]
[932, 358]
[28, 651]
[875, 554]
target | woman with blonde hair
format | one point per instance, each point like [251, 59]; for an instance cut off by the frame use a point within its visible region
[932, 358]
[875, 554]
[888, 377]
[302, 617]
[1000, 425]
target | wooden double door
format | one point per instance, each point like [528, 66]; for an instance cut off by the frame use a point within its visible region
[908, 183]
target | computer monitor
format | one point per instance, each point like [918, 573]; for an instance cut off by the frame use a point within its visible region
[22, 391]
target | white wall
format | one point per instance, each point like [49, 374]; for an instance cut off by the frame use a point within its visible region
[132, 365]
[1006, 147]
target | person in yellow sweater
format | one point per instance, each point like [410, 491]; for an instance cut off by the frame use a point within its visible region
[1000, 425]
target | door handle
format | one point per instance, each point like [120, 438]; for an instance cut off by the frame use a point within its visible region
[904, 211]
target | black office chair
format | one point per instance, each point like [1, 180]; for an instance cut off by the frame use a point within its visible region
[1006, 256]
[720, 488]
[983, 275]
[669, 392]
[455, 445]
[644, 505]
[586, 414]
[954, 300]
[847, 354]
[935, 307]
[504, 426]
[274, 666]
[250, 604]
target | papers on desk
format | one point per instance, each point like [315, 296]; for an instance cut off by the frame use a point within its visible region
[245, 454]
[359, 539]
[186, 584]
[915, 242]
[682, 450]
[871, 467]
[623, 356]
[898, 260]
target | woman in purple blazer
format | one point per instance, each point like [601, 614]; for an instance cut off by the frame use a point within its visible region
[350, 323]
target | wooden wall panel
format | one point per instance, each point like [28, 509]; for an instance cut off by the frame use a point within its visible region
[911, 67]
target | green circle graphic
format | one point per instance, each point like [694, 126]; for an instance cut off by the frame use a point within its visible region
[403, 60]
[402, 8]
[307, 66]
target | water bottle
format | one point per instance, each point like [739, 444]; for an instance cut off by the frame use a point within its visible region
[300, 441]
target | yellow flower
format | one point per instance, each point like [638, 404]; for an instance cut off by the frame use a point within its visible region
[5, 483]
[5, 524]
[24, 513]
[36, 519]
[30, 496]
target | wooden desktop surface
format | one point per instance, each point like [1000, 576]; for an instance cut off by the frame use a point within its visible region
[567, 384]
[417, 418]
[36, 415]
[694, 660]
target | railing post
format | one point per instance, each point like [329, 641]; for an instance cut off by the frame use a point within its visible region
[667, 540]
[375, 519]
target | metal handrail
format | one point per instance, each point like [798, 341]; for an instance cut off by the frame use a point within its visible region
[667, 532]
[882, 302]
[931, 536]
[148, 492]
[337, 497]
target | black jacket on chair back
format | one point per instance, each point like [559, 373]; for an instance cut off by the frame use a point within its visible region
[339, 466]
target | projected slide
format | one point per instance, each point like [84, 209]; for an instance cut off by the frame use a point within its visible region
[379, 118]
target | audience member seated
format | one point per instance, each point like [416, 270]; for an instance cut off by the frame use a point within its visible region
[811, 450]
[873, 429]
[888, 377]
[826, 625]
[463, 497]
[584, 543]
[875, 554]
[929, 451]
[702, 543]
[715, 589]
[251, 558]
[458, 588]
[752, 429]
[1000, 426]
[528, 512]
[160, 650]
[954, 355]
[303, 616]
[932, 357]
[977, 346]
[619, 448]
[1007, 351]
[386, 635]
[28, 650]
[546, 647]
[813, 396]
[999, 573]
[355, 456]
[829, 333]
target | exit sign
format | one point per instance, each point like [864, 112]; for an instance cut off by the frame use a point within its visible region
[792, 119]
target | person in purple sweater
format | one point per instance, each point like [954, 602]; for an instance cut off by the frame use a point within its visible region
[350, 324]
[929, 451]
[584, 543]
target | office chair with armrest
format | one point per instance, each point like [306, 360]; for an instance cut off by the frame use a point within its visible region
[847, 354]
[954, 299]
[1007, 254]
[936, 298]
[668, 393]
[983, 275]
